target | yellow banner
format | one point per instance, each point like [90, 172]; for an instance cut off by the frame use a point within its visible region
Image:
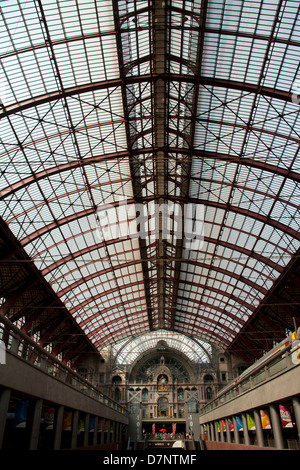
[265, 419]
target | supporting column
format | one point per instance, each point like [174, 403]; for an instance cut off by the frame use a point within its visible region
[212, 432]
[95, 431]
[102, 432]
[74, 429]
[259, 429]
[228, 435]
[86, 430]
[35, 426]
[116, 433]
[216, 431]
[221, 431]
[202, 431]
[276, 427]
[108, 440]
[208, 432]
[4, 404]
[235, 431]
[113, 434]
[58, 427]
[245, 430]
[296, 406]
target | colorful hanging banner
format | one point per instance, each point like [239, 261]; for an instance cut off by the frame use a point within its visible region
[106, 426]
[285, 415]
[250, 422]
[92, 423]
[67, 422]
[174, 428]
[21, 414]
[230, 425]
[80, 424]
[153, 428]
[223, 426]
[265, 419]
[239, 423]
[49, 417]
[218, 426]
[100, 425]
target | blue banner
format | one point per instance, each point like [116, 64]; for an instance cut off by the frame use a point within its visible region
[21, 414]
[239, 423]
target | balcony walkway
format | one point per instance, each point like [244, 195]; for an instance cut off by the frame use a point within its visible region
[261, 408]
[45, 405]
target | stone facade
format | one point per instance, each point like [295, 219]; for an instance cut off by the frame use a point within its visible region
[163, 389]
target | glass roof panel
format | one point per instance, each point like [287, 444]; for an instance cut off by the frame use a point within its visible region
[88, 127]
[127, 351]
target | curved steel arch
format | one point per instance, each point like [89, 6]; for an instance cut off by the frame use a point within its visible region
[178, 337]
[73, 164]
[225, 244]
[174, 75]
[228, 207]
[114, 83]
[94, 298]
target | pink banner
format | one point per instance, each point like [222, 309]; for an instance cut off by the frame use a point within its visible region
[230, 425]
[285, 415]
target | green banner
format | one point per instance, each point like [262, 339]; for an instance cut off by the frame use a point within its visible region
[250, 422]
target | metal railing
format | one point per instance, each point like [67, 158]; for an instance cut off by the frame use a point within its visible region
[253, 377]
[21, 345]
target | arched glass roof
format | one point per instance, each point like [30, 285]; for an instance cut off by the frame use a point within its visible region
[123, 103]
[126, 352]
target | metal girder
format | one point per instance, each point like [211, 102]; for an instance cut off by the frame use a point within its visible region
[104, 294]
[229, 274]
[264, 314]
[205, 331]
[208, 306]
[131, 263]
[226, 207]
[152, 78]
[129, 108]
[175, 41]
[187, 165]
[159, 18]
[191, 153]
[108, 309]
[247, 213]
[233, 247]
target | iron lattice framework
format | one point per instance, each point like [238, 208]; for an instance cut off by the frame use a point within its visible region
[168, 102]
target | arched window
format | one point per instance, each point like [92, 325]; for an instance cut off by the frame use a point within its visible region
[193, 406]
[116, 380]
[86, 373]
[208, 393]
[134, 406]
[162, 382]
[163, 407]
[145, 394]
[117, 394]
[208, 378]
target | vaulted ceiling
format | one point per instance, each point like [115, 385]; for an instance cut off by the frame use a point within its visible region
[112, 107]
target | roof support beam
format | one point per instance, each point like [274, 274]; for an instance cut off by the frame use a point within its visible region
[186, 164]
[130, 108]
[191, 153]
[114, 83]
[159, 26]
